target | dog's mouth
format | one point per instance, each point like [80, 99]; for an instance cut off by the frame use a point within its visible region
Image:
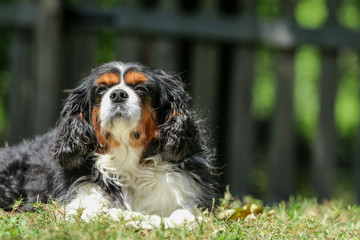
[120, 111]
[120, 114]
[117, 114]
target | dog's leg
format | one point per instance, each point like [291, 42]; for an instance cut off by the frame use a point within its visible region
[89, 202]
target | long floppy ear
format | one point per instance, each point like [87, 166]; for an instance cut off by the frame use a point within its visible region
[179, 135]
[75, 137]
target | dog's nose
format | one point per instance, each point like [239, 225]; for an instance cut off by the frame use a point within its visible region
[119, 95]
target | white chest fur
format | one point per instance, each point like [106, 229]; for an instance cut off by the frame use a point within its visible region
[153, 188]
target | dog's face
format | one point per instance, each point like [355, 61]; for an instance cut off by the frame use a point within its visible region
[126, 103]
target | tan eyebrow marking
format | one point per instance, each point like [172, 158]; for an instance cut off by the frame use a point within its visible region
[108, 79]
[134, 77]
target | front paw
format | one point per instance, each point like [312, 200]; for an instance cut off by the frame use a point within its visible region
[135, 219]
[180, 217]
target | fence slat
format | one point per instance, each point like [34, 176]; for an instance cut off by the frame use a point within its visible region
[165, 53]
[324, 153]
[324, 146]
[47, 54]
[239, 143]
[282, 140]
[356, 155]
[288, 7]
[22, 88]
[205, 72]
[78, 59]
[332, 6]
[128, 45]
[239, 136]
[127, 48]
[282, 135]
[356, 162]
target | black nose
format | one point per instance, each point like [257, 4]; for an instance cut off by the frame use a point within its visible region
[118, 95]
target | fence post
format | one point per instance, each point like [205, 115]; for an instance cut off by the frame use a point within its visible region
[79, 57]
[239, 135]
[282, 135]
[356, 157]
[22, 89]
[356, 162]
[282, 138]
[239, 140]
[324, 152]
[128, 45]
[47, 60]
[205, 71]
[164, 53]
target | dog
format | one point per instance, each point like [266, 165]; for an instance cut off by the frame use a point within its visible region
[126, 143]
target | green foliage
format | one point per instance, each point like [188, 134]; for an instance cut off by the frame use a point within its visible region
[12, 227]
[311, 13]
[349, 13]
[347, 110]
[265, 84]
[307, 73]
[105, 48]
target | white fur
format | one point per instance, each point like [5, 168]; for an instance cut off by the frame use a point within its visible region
[153, 188]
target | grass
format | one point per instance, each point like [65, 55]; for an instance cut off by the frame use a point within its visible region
[296, 219]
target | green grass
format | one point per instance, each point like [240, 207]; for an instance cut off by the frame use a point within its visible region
[296, 219]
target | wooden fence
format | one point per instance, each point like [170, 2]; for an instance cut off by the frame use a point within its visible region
[54, 45]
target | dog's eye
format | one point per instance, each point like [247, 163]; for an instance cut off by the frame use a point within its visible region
[100, 89]
[140, 88]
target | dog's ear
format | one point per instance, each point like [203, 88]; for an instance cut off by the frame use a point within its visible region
[178, 135]
[75, 138]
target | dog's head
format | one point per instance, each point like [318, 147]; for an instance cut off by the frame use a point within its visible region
[126, 103]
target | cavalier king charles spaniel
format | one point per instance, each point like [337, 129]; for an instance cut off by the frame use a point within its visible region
[126, 144]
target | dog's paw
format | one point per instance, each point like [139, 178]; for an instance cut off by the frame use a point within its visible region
[146, 222]
[135, 219]
[142, 221]
[179, 218]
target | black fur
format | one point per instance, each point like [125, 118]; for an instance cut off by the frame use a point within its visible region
[75, 139]
[52, 165]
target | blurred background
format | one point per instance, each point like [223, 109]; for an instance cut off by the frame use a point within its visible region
[276, 80]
